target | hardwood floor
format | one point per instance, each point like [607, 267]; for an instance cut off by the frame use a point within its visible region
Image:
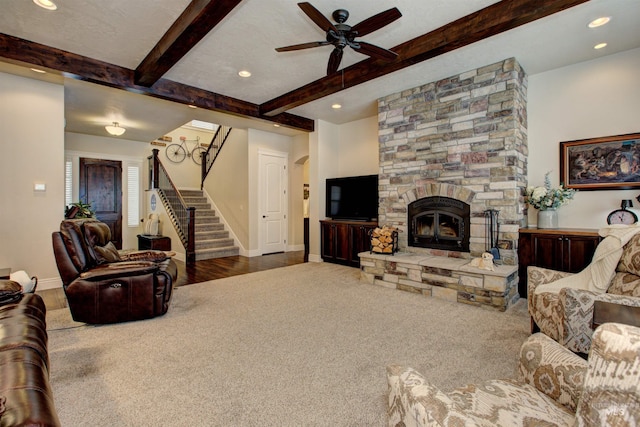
[219, 268]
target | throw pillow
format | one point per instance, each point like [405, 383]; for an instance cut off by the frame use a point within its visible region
[107, 253]
[625, 284]
[630, 258]
[10, 292]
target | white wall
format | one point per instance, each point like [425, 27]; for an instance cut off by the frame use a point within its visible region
[32, 141]
[587, 100]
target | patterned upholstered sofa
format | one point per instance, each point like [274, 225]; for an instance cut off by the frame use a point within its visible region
[555, 387]
[567, 316]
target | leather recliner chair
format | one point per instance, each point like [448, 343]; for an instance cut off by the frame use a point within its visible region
[104, 285]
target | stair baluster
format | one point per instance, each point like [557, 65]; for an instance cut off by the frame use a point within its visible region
[210, 156]
[182, 216]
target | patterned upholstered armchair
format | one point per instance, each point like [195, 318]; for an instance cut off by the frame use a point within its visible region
[568, 315]
[555, 387]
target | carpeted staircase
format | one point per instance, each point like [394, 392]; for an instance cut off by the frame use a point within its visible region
[212, 240]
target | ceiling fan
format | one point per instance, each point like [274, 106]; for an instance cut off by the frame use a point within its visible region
[341, 35]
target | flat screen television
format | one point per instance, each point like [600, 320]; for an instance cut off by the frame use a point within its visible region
[352, 198]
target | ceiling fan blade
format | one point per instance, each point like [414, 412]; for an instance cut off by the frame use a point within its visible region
[334, 61]
[301, 46]
[376, 22]
[317, 17]
[375, 51]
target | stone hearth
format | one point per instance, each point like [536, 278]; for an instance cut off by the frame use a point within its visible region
[452, 279]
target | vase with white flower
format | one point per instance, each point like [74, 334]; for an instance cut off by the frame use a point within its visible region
[547, 200]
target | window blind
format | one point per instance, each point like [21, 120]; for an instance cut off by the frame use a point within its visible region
[133, 196]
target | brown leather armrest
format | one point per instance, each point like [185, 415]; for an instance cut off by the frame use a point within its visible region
[120, 269]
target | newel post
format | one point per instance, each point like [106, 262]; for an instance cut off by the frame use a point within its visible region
[191, 232]
[154, 167]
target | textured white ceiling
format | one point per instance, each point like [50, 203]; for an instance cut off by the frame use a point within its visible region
[122, 32]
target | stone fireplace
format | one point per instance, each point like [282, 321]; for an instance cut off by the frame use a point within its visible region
[463, 141]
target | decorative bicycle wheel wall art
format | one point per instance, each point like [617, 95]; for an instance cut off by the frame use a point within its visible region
[176, 153]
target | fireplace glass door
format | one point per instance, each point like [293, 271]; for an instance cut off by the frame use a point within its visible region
[439, 224]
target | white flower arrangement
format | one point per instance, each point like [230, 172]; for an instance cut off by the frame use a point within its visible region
[546, 198]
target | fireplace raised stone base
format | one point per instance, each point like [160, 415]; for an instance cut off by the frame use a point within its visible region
[453, 279]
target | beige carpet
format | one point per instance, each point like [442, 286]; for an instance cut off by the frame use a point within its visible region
[305, 345]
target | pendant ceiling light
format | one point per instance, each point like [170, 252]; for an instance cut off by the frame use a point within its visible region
[115, 129]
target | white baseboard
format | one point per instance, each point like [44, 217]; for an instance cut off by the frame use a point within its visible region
[315, 258]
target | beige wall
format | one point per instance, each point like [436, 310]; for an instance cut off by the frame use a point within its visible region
[186, 174]
[128, 152]
[228, 185]
[32, 140]
[337, 151]
[298, 176]
[592, 99]
[358, 148]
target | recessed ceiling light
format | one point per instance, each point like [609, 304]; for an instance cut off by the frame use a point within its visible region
[275, 125]
[37, 70]
[336, 106]
[600, 46]
[46, 4]
[244, 73]
[192, 106]
[599, 22]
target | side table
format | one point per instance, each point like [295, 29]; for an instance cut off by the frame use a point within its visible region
[161, 243]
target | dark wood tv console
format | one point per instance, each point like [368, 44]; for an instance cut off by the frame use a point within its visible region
[342, 241]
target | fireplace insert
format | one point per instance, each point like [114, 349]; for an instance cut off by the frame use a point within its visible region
[439, 223]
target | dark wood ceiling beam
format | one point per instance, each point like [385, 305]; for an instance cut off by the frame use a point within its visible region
[197, 20]
[24, 52]
[492, 20]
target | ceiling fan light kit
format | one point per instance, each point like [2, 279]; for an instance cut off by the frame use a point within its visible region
[341, 35]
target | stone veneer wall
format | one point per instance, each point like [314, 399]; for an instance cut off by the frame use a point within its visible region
[464, 137]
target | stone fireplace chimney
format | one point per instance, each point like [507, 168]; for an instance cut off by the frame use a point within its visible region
[464, 138]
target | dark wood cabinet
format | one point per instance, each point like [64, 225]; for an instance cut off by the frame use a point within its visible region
[568, 249]
[161, 243]
[342, 241]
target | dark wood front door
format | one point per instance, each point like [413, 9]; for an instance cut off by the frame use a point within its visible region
[101, 186]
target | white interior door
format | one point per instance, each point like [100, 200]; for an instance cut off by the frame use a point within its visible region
[273, 201]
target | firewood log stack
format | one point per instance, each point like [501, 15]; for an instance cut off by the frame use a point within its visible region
[384, 240]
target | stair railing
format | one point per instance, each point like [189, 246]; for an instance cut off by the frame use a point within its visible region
[182, 216]
[210, 156]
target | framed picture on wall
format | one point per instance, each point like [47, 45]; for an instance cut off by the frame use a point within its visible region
[606, 163]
